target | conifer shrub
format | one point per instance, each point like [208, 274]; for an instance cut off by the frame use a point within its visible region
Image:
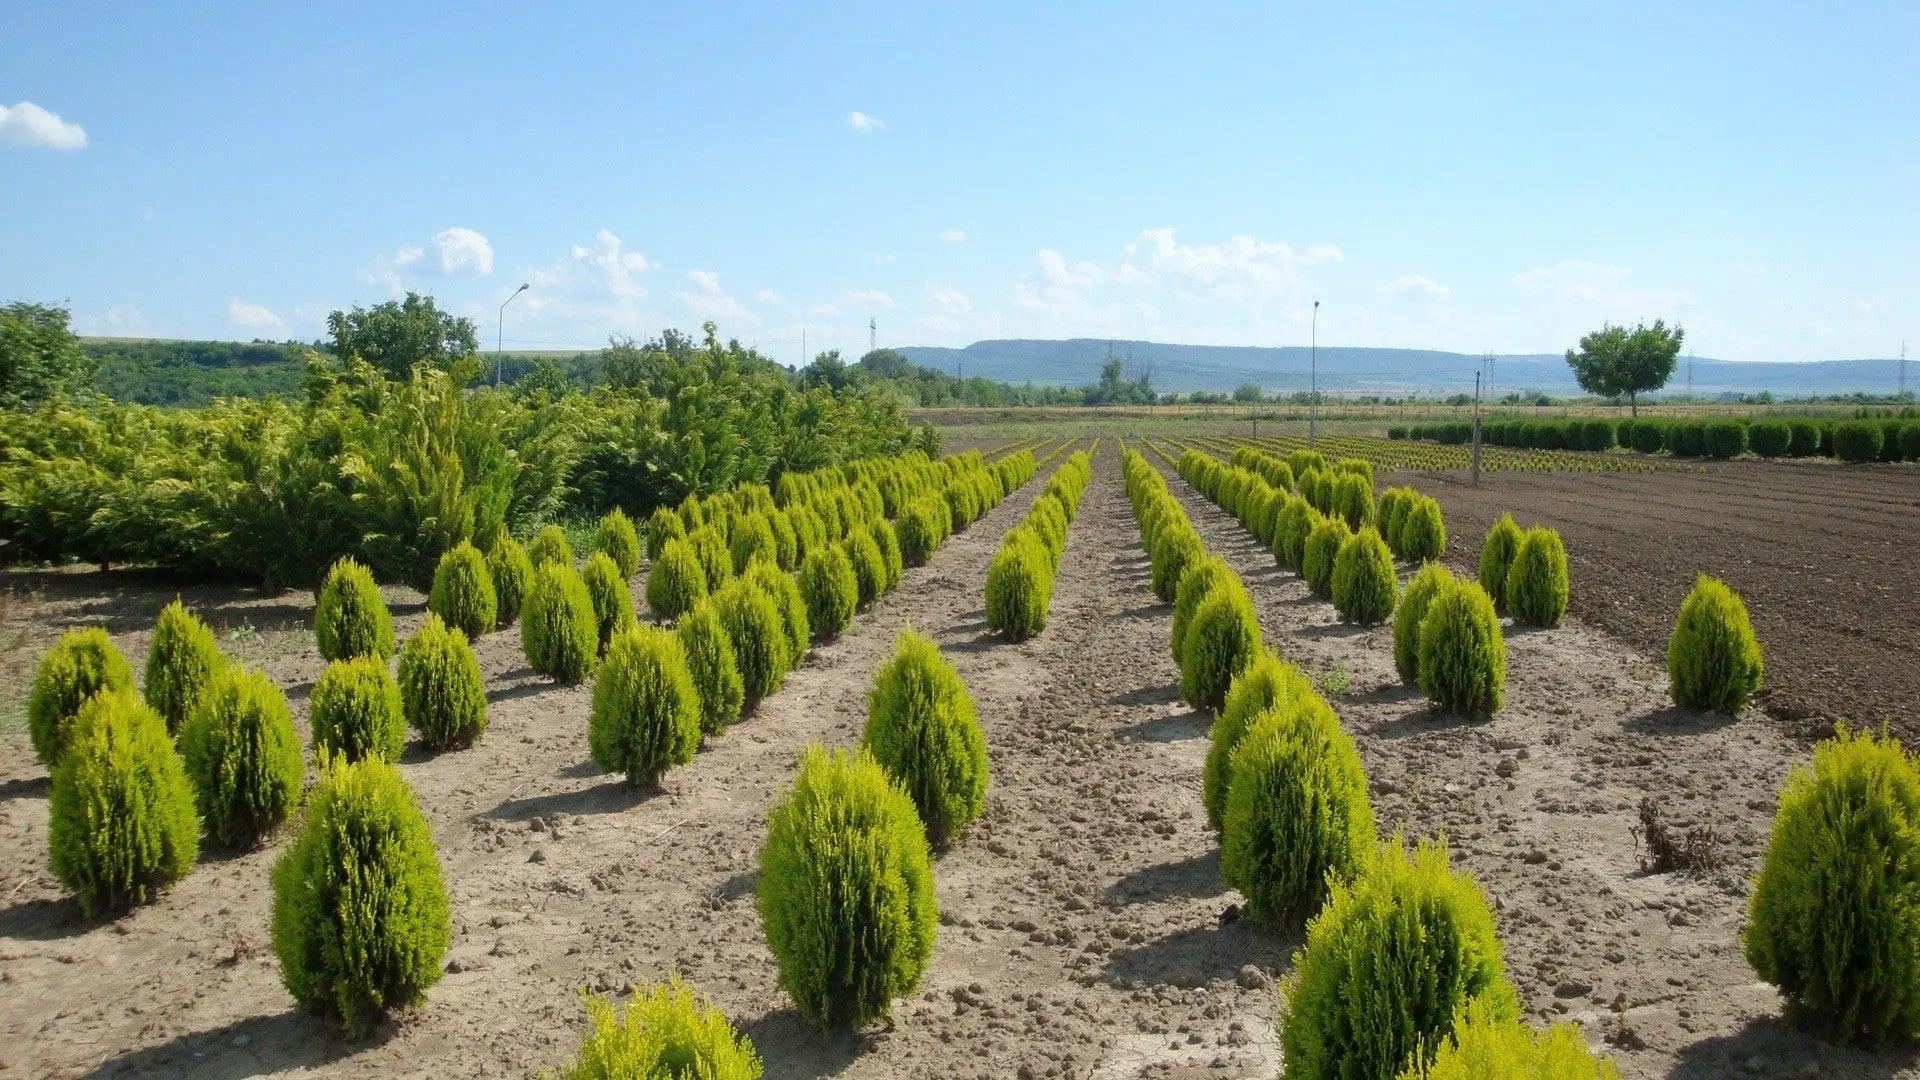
[441, 692]
[1537, 581]
[1423, 530]
[183, 661]
[923, 730]
[1365, 584]
[616, 537]
[1806, 438]
[559, 631]
[361, 919]
[1019, 588]
[885, 539]
[710, 662]
[1649, 437]
[1462, 655]
[1496, 559]
[963, 505]
[1389, 963]
[1725, 438]
[121, 823]
[1298, 819]
[762, 651]
[1858, 441]
[645, 717]
[1484, 1045]
[920, 529]
[1222, 640]
[463, 594]
[846, 892]
[1392, 513]
[752, 538]
[550, 545]
[784, 590]
[1832, 920]
[512, 572]
[1770, 438]
[1714, 661]
[1179, 546]
[611, 597]
[666, 1033]
[1910, 441]
[831, 589]
[663, 525]
[676, 582]
[1267, 683]
[1421, 590]
[1353, 499]
[1290, 529]
[355, 711]
[349, 617]
[1322, 548]
[869, 565]
[1200, 578]
[243, 758]
[716, 559]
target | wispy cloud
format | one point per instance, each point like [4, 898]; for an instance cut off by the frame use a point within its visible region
[254, 318]
[865, 124]
[705, 299]
[1416, 283]
[27, 124]
[954, 236]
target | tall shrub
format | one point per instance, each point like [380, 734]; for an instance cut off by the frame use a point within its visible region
[710, 662]
[463, 594]
[512, 572]
[869, 565]
[758, 634]
[1537, 581]
[1496, 558]
[1267, 683]
[752, 539]
[663, 525]
[441, 691]
[1484, 1045]
[676, 582]
[831, 590]
[645, 717]
[617, 538]
[1462, 655]
[1220, 644]
[1200, 579]
[666, 1033]
[1425, 585]
[1858, 440]
[550, 545]
[1177, 548]
[1423, 530]
[1365, 585]
[1323, 545]
[121, 824]
[355, 711]
[243, 757]
[611, 597]
[922, 729]
[81, 664]
[183, 661]
[1713, 659]
[349, 617]
[559, 630]
[1019, 589]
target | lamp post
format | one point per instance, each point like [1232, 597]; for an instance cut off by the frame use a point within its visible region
[1313, 379]
[500, 330]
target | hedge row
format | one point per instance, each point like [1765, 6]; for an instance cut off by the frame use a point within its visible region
[1020, 579]
[1883, 439]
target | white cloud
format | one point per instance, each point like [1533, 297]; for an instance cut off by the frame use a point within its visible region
[596, 286]
[254, 318]
[119, 320]
[1417, 283]
[949, 301]
[858, 301]
[1242, 269]
[387, 271]
[768, 296]
[864, 124]
[1572, 279]
[1054, 269]
[463, 251]
[954, 236]
[705, 299]
[27, 124]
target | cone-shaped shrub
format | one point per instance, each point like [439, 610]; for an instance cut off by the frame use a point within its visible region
[616, 537]
[1322, 548]
[1389, 962]
[919, 530]
[646, 713]
[1222, 641]
[183, 661]
[243, 757]
[1484, 1045]
[349, 617]
[1423, 530]
[1019, 588]
[781, 588]
[1713, 659]
[690, 513]
[1353, 499]
[663, 525]
[668, 1033]
[463, 594]
[356, 711]
[846, 890]
[710, 663]
[1496, 559]
[889, 545]
[1199, 579]
[758, 634]
[1393, 513]
[715, 558]
[1178, 547]
[121, 824]
[1462, 655]
[361, 921]
[1267, 683]
[869, 565]
[1832, 920]
[1290, 532]
[1298, 820]
[612, 599]
[1425, 585]
[441, 691]
[830, 588]
[1365, 585]
[676, 583]
[1537, 580]
[559, 630]
[550, 545]
[922, 728]
[752, 539]
[512, 572]
[786, 542]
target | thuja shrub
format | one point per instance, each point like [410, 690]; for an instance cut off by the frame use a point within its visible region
[1389, 963]
[1725, 438]
[676, 582]
[463, 593]
[1496, 558]
[1317, 556]
[121, 824]
[612, 600]
[1421, 590]
[1353, 499]
[663, 525]
[1910, 442]
[1806, 438]
[790, 602]
[1179, 546]
[1222, 641]
[885, 539]
[831, 589]
[349, 617]
[666, 1033]
[711, 664]
[1298, 820]
[645, 717]
[1832, 920]
[183, 660]
[559, 631]
[355, 711]
[1770, 438]
[761, 649]
[1536, 588]
[1290, 529]
[920, 529]
[1365, 584]
[361, 919]
[1858, 440]
[1200, 578]
[1266, 683]
[1462, 655]
[786, 542]
[710, 547]
[1484, 1045]
[615, 535]
[846, 893]
[512, 572]
[243, 758]
[923, 730]
[1019, 588]
[1423, 530]
[1392, 513]
[752, 538]
[441, 692]
[550, 545]
[1714, 661]
[869, 565]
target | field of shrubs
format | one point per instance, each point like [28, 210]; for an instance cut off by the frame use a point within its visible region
[1119, 757]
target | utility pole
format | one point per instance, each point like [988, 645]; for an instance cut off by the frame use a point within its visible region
[1689, 373]
[1903, 369]
[1313, 378]
[873, 334]
[499, 333]
[1476, 429]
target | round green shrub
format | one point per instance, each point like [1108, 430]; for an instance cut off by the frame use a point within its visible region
[752, 539]
[463, 594]
[1178, 547]
[121, 824]
[1425, 585]
[1649, 437]
[512, 572]
[1537, 581]
[663, 525]
[1725, 438]
[1858, 441]
[1019, 588]
[441, 692]
[1266, 683]
[1199, 579]
[559, 630]
[1388, 964]
[1770, 438]
[361, 920]
[183, 660]
[1806, 438]
[762, 650]
[920, 529]
[611, 597]
[889, 545]
[676, 583]
[831, 589]
[1713, 659]
[710, 662]
[782, 588]
[1222, 641]
[1298, 820]
[550, 545]
[1423, 530]
[243, 757]
[1484, 1045]
[1910, 441]
[1322, 548]
[356, 712]
[922, 729]
[667, 1033]
[349, 617]
[869, 565]
[1496, 559]
[1290, 529]
[615, 536]
[1365, 584]
[646, 714]
[1462, 655]
[846, 892]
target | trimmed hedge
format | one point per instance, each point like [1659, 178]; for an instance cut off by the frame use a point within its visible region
[645, 717]
[183, 662]
[349, 616]
[121, 824]
[1537, 587]
[512, 572]
[1462, 656]
[1714, 661]
[463, 594]
[559, 631]
[243, 758]
[1770, 438]
[1365, 584]
[441, 692]
[355, 711]
[666, 1033]
[1858, 441]
[923, 730]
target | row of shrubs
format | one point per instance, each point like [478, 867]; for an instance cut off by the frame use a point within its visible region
[1896, 439]
[1020, 579]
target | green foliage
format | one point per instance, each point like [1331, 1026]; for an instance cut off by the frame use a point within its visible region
[398, 334]
[1222, 641]
[1725, 438]
[762, 649]
[1536, 589]
[1353, 498]
[1496, 559]
[1388, 964]
[559, 630]
[663, 525]
[1199, 579]
[1462, 655]
[790, 602]
[752, 538]
[40, 359]
[512, 572]
[349, 617]
[666, 1033]
[1713, 659]
[646, 714]
[243, 757]
[869, 565]
[1485, 1045]
[1617, 362]
[1324, 541]
[1423, 530]
[441, 692]
[889, 544]
[676, 582]
[1290, 529]
[356, 711]
[611, 597]
[846, 892]
[1770, 438]
[1177, 548]
[616, 536]
[1858, 441]
[81, 664]
[1365, 584]
[716, 559]
[922, 729]
[1019, 588]
[831, 589]
[1426, 584]
[361, 920]
[463, 594]
[711, 664]
[121, 824]
[1267, 683]
[550, 545]
[921, 528]
[183, 661]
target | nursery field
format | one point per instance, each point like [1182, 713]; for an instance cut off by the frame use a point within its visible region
[1084, 928]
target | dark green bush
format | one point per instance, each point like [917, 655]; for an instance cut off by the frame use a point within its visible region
[1425, 585]
[183, 662]
[1317, 557]
[1598, 435]
[1890, 439]
[1484, 1045]
[512, 572]
[1266, 683]
[1649, 436]
[1910, 441]
[441, 691]
[663, 525]
[869, 565]
[615, 536]
[1019, 588]
[1199, 579]
[121, 824]
[355, 711]
[550, 545]
[1858, 441]
[1223, 639]
[1687, 438]
[1462, 656]
[1423, 531]
[243, 758]
[1496, 559]
[830, 588]
[666, 1033]
[922, 729]
[1536, 589]
[1713, 659]
[645, 717]
[1770, 438]
[349, 617]
[1806, 438]
[676, 582]
[611, 597]
[1365, 584]
[559, 631]
[1725, 438]
[463, 594]
[361, 920]
[762, 650]
[710, 662]
[1178, 547]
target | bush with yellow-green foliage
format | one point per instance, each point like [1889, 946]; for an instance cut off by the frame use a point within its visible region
[361, 920]
[1199, 579]
[1222, 641]
[665, 1033]
[923, 730]
[242, 756]
[1485, 1045]
[1324, 540]
[1353, 499]
[784, 590]
[1365, 584]
[183, 661]
[441, 692]
[645, 717]
[1290, 529]
[355, 711]
[349, 616]
[512, 572]
[1392, 513]
[611, 597]
[1714, 661]
[846, 892]
[1425, 585]
[1537, 581]
[1496, 559]
[762, 649]
[922, 527]
[663, 525]
[676, 582]
[831, 589]
[121, 823]
[888, 542]
[711, 664]
[1178, 546]
[550, 545]
[1423, 530]
[1019, 587]
[559, 630]
[786, 542]
[463, 594]
[1462, 654]
[1267, 683]
[752, 539]
[616, 536]
[716, 559]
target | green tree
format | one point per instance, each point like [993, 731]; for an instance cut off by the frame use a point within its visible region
[1614, 361]
[398, 334]
[39, 356]
[1247, 393]
[545, 374]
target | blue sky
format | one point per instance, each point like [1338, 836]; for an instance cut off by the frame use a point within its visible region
[1501, 179]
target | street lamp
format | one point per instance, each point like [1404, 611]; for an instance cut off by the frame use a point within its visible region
[499, 331]
[1313, 378]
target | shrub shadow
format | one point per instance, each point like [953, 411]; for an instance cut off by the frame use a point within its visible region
[518, 691]
[45, 919]
[1673, 720]
[1182, 726]
[25, 787]
[1334, 630]
[612, 797]
[255, 1046]
[1783, 1051]
[1149, 695]
[1197, 956]
[1424, 722]
[794, 1051]
[1194, 877]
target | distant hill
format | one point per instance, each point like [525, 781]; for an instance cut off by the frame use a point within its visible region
[1221, 368]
